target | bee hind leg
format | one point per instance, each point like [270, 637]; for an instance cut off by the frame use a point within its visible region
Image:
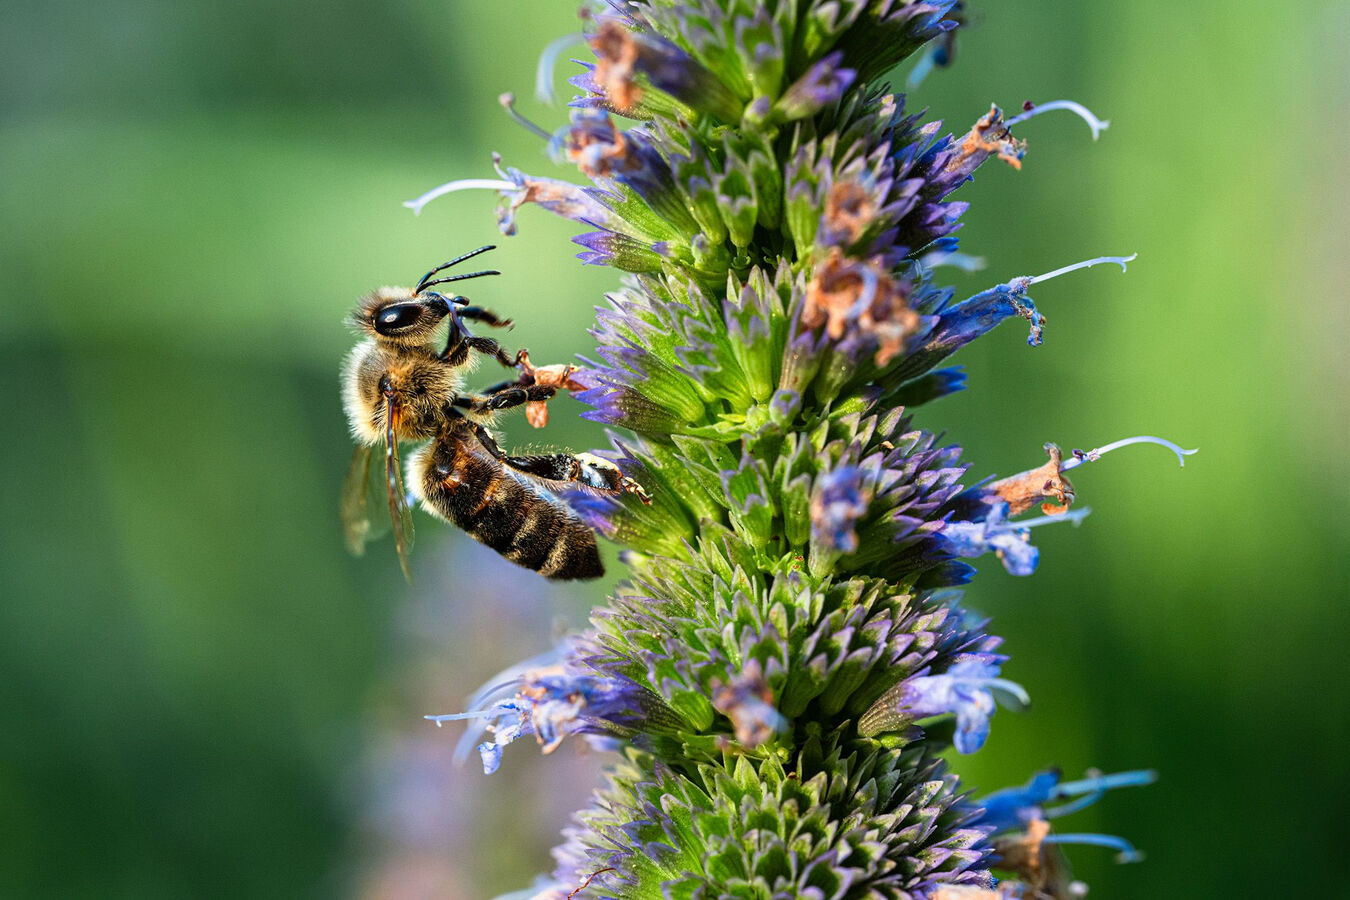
[584, 469]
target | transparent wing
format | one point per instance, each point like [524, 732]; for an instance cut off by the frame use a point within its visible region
[357, 527]
[399, 513]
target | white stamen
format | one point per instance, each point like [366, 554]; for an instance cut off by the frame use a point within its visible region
[1097, 125]
[464, 184]
[954, 258]
[548, 61]
[456, 717]
[1085, 264]
[927, 62]
[1008, 687]
[1127, 853]
[1079, 457]
[1088, 791]
[1075, 516]
[1137, 778]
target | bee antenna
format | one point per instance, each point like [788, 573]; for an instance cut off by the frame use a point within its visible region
[426, 284]
[426, 279]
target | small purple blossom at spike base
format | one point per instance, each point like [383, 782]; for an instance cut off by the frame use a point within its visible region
[605, 248]
[747, 701]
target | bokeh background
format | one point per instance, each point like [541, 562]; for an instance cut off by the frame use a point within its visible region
[203, 696]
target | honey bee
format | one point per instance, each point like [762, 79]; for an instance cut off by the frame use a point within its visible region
[401, 384]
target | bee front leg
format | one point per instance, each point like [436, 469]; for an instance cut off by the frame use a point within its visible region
[486, 316]
[459, 340]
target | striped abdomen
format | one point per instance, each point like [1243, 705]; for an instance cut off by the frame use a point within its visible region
[462, 484]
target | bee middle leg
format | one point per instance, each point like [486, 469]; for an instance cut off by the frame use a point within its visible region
[505, 397]
[584, 469]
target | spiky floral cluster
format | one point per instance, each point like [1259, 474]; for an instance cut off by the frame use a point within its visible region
[788, 663]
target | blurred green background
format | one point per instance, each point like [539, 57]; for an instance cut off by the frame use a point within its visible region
[203, 696]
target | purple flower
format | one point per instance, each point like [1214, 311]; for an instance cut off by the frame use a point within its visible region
[995, 534]
[628, 55]
[603, 152]
[967, 689]
[549, 701]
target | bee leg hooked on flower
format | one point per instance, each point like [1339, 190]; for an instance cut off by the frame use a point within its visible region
[582, 469]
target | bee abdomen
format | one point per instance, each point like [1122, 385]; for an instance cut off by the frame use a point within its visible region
[497, 509]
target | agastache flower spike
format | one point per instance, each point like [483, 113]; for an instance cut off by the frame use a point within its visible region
[788, 631]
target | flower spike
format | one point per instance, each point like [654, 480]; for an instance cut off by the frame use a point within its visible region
[787, 656]
[1097, 125]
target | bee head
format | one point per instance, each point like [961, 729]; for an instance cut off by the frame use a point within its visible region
[408, 316]
[398, 316]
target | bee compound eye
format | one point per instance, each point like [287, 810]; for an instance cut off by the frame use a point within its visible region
[395, 318]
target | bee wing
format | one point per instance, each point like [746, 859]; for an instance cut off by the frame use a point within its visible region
[357, 527]
[399, 513]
